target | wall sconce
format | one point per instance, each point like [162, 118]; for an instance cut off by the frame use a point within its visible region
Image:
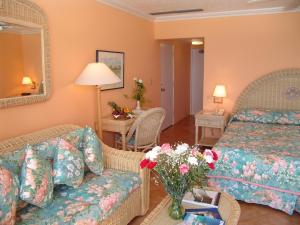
[219, 94]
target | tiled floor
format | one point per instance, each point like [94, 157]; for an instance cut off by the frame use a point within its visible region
[252, 214]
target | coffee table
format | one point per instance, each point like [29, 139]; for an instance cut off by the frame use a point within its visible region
[228, 207]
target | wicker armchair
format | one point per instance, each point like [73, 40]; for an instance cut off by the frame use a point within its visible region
[136, 204]
[144, 132]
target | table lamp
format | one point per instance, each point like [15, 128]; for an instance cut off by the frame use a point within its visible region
[28, 82]
[219, 94]
[97, 74]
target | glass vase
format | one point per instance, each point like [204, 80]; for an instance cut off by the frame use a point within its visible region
[138, 105]
[176, 210]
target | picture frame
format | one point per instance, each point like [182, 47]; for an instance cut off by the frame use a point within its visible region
[115, 61]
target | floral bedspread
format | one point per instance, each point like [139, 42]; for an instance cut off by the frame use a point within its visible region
[264, 155]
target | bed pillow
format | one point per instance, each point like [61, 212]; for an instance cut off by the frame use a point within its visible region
[9, 192]
[36, 185]
[257, 116]
[289, 118]
[92, 151]
[68, 165]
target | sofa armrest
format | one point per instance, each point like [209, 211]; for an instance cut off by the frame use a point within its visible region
[129, 161]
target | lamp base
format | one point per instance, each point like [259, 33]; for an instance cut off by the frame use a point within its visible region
[25, 94]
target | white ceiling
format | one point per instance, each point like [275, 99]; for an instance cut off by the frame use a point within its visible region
[212, 8]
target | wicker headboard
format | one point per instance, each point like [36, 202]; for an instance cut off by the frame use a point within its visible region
[279, 90]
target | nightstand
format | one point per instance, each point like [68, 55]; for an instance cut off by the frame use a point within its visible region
[207, 119]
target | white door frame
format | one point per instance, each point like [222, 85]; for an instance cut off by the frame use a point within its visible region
[173, 82]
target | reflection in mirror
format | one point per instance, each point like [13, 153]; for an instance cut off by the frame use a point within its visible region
[21, 70]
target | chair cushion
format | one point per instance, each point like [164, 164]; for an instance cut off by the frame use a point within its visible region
[107, 191]
[9, 189]
[92, 151]
[68, 165]
[95, 200]
[36, 179]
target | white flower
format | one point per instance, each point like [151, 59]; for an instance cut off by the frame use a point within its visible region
[181, 148]
[135, 79]
[208, 156]
[140, 81]
[152, 155]
[193, 161]
[33, 164]
[26, 194]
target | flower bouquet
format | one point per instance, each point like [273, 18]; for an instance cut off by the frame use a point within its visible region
[180, 168]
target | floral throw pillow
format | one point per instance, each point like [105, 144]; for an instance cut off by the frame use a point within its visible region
[68, 165]
[75, 138]
[9, 190]
[92, 150]
[36, 179]
[47, 148]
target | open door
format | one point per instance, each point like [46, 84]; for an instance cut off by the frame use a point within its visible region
[167, 83]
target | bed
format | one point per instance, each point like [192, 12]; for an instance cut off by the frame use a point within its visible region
[259, 153]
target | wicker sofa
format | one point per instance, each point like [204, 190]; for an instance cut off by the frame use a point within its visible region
[137, 202]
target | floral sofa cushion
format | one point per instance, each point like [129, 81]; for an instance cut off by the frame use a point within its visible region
[68, 165]
[107, 191]
[9, 189]
[90, 203]
[62, 211]
[36, 179]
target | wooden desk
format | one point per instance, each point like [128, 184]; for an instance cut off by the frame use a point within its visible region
[118, 126]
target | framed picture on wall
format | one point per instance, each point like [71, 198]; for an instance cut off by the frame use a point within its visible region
[115, 61]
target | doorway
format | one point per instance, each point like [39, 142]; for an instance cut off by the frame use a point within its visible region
[196, 80]
[167, 83]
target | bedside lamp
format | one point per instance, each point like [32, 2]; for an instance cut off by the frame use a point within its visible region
[27, 81]
[219, 94]
[97, 74]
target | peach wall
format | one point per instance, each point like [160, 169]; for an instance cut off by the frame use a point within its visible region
[11, 64]
[239, 49]
[77, 29]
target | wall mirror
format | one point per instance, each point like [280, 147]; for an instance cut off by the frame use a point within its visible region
[24, 54]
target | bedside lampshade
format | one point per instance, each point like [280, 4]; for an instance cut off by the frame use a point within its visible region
[97, 74]
[26, 81]
[219, 93]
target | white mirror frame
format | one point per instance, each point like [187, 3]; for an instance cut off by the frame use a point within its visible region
[26, 13]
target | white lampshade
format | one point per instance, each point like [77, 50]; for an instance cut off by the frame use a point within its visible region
[220, 91]
[26, 80]
[97, 74]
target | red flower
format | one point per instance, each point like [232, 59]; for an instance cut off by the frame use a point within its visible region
[151, 165]
[144, 163]
[211, 165]
[215, 156]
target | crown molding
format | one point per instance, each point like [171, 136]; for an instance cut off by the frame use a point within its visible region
[199, 15]
[203, 15]
[128, 9]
